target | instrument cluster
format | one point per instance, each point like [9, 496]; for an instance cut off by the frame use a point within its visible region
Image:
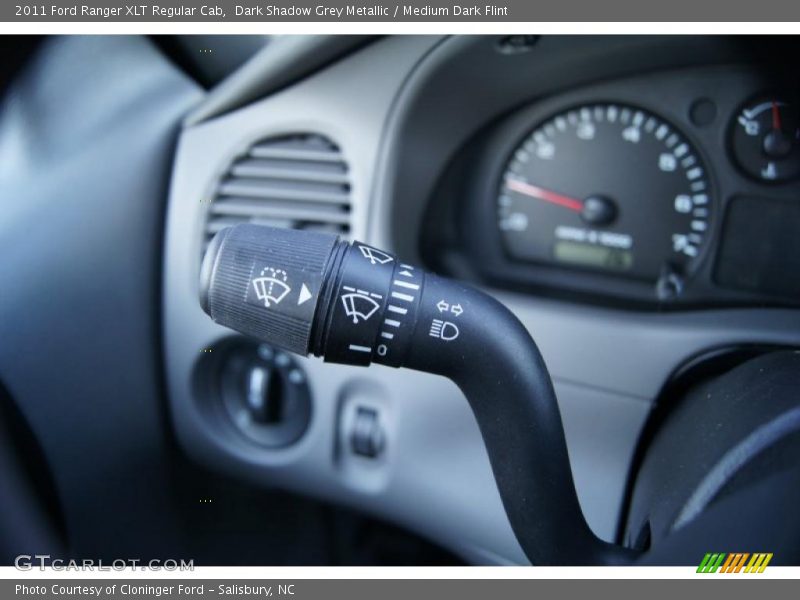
[675, 189]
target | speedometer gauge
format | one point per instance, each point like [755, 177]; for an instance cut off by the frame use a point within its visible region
[606, 187]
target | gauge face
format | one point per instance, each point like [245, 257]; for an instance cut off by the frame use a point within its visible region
[766, 139]
[606, 187]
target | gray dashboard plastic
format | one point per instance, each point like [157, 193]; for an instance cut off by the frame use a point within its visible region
[284, 59]
[434, 477]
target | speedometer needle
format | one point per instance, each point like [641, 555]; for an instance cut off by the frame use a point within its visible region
[776, 116]
[542, 194]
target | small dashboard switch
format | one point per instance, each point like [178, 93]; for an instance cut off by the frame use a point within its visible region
[367, 438]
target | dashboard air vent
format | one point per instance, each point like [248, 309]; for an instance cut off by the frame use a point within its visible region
[295, 181]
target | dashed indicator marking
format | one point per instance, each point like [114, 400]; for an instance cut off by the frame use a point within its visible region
[698, 225]
[387, 335]
[392, 323]
[363, 292]
[406, 284]
[698, 186]
[406, 272]
[357, 348]
[397, 309]
[400, 296]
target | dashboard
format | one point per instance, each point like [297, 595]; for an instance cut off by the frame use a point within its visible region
[633, 200]
[671, 190]
[609, 190]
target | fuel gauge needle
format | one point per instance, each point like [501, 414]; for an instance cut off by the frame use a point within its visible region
[533, 191]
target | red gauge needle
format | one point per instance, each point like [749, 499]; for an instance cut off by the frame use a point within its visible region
[776, 116]
[542, 194]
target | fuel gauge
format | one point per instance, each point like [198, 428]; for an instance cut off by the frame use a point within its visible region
[766, 139]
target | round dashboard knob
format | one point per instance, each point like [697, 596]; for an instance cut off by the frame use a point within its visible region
[266, 281]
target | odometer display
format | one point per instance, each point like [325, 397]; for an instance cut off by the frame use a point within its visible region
[593, 255]
[606, 187]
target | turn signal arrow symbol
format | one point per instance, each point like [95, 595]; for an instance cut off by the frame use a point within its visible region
[455, 309]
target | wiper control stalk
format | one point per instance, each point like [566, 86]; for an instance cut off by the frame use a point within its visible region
[312, 293]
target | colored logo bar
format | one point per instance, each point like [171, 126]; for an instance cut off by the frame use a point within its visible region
[734, 562]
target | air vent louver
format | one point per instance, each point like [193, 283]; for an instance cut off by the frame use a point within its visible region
[295, 181]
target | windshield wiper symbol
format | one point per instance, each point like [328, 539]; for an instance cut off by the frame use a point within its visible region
[271, 287]
[359, 304]
[375, 257]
